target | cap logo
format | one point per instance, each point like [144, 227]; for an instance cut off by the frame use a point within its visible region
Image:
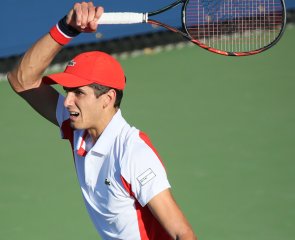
[71, 63]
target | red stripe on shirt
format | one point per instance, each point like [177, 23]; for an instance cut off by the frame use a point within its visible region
[149, 227]
[81, 151]
[147, 140]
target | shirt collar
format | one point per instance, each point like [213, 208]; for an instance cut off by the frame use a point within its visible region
[108, 136]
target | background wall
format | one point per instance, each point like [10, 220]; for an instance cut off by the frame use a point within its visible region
[22, 22]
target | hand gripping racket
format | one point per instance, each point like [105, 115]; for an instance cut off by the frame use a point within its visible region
[227, 27]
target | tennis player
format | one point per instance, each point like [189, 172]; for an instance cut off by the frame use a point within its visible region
[123, 181]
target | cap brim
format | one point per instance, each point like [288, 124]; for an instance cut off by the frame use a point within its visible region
[65, 80]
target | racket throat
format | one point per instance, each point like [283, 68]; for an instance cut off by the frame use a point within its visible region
[145, 18]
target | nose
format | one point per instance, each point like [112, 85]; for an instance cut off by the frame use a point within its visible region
[69, 100]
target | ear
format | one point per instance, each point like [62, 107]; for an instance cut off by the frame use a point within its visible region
[109, 98]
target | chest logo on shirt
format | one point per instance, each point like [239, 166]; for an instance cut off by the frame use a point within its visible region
[145, 177]
[107, 182]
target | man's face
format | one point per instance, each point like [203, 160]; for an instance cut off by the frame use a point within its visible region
[84, 106]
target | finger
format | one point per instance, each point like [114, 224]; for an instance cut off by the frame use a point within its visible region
[93, 24]
[77, 11]
[91, 13]
[84, 20]
[70, 16]
[92, 27]
[98, 12]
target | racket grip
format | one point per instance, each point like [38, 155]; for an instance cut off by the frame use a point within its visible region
[122, 18]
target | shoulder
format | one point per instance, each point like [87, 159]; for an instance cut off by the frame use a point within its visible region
[142, 168]
[138, 142]
[139, 152]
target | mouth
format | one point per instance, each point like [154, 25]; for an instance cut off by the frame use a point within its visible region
[73, 115]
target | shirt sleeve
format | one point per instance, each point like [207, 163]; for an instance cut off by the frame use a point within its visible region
[144, 170]
[62, 116]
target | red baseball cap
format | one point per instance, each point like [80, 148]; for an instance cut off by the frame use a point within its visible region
[88, 68]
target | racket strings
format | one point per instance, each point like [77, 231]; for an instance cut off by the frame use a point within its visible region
[234, 25]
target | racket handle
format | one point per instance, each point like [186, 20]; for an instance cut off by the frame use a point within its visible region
[122, 18]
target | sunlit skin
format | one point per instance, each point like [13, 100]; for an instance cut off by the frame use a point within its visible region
[89, 111]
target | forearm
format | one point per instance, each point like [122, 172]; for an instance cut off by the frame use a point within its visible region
[27, 74]
[169, 215]
[187, 236]
[185, 232]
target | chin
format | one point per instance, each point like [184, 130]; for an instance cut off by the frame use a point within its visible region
[76, 126]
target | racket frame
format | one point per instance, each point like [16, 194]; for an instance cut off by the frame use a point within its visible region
[239, 54]
[145, 18]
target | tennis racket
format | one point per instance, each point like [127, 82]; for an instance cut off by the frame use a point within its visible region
[227, 27]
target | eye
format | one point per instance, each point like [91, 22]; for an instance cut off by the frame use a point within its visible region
[78, 92]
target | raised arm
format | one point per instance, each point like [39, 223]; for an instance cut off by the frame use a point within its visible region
[26, 77]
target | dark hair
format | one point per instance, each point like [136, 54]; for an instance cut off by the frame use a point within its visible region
[100, 89]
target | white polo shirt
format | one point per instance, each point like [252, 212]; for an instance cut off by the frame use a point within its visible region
[118, 176]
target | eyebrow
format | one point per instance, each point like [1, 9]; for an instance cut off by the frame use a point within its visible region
[68, 89]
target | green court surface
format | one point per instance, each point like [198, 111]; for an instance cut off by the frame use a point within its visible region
[224, 127]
